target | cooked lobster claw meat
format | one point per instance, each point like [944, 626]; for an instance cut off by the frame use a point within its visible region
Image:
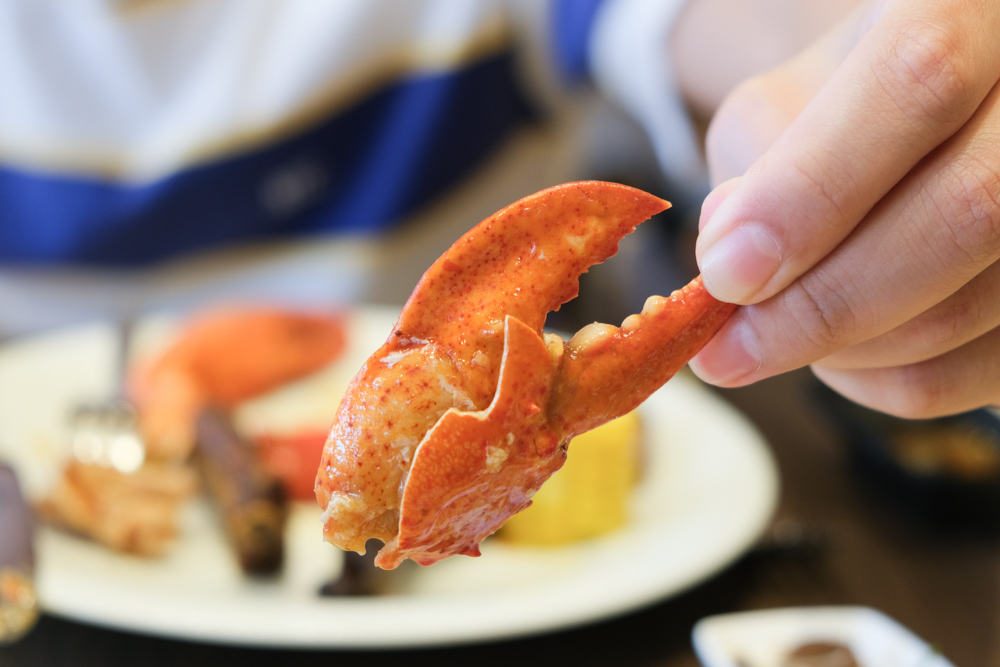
[222, 357]
[458, 419]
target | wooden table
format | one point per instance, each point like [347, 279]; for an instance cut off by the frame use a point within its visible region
[945, 587]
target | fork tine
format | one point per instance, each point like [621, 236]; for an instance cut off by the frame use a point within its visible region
[126, 326]
[105, 433]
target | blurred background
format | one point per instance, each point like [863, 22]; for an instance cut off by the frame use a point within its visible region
[187, 186]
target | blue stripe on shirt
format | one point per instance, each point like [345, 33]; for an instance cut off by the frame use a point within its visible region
[359, 171]
[572, 22]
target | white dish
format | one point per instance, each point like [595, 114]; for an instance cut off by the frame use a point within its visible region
[764, 638]
[709, 488]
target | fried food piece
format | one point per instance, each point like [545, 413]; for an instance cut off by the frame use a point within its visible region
[134, 513]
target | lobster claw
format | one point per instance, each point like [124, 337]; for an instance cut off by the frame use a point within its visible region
[475, 469]
[455, 422]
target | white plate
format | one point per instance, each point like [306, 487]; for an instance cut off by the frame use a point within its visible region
[764, 638]
[709, 488]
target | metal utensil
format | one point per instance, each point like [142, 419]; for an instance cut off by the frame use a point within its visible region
[105, 433]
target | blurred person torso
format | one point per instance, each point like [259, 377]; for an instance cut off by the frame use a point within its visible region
[158, 152]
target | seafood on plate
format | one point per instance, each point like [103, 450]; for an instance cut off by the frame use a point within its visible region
[456, 421]
[221, 358]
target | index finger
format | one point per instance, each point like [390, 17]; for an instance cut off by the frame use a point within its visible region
[914, 78]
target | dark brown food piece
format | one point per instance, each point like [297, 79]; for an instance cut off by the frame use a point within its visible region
[252, 503]
[359, 576]
[18, 605]
[821, 654]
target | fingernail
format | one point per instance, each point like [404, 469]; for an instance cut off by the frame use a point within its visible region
[729, 357]
[738, 265]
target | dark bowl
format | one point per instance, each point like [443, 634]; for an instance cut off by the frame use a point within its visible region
[944, 471]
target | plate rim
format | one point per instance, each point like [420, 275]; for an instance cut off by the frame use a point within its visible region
[480, 626]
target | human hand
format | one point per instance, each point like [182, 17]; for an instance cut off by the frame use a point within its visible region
[864, 235]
